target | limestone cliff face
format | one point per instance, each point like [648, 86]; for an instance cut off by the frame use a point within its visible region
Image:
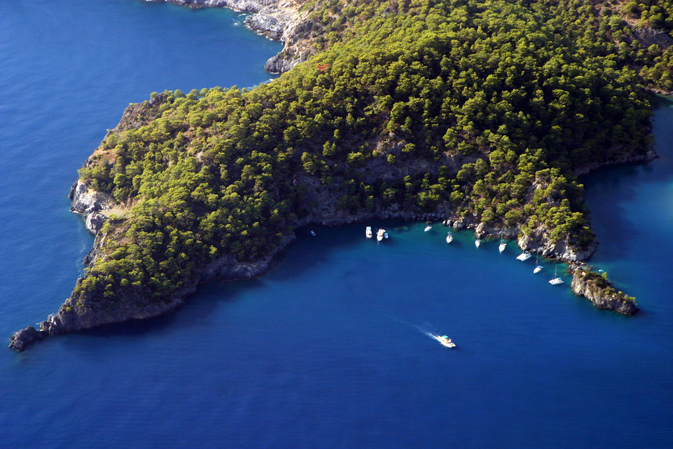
[539, 242]
[89, 204]
[600, 292]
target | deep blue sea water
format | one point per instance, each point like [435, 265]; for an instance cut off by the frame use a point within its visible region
[326, 350]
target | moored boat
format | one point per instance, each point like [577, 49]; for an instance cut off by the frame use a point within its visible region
[523, 256]
[368, 232]
[379, 234]
[427, 228]
[477, 243]
[557, 280]
[537, 269]
[449, 238]
[502, 246]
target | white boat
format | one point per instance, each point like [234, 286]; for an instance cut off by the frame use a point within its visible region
[379, 234]
[385, 235]
[557, 280]
[477, 243]
[312, 232]
[449, 238]
[502, 246]
[427, 228]
[523, 256]
[537, 269]
[368, 232]
[445, 341]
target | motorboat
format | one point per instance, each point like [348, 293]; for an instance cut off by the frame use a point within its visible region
[445, 341]
[379, 234]
[312, 232]
[502, 246]
[385, 235]
[368, 232]
[537, 269]
[523, 256]
[477, 243]
[449, 238]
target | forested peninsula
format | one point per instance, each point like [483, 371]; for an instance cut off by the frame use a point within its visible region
[482, 113]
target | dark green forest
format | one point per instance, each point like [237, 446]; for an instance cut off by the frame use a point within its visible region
[505, 100]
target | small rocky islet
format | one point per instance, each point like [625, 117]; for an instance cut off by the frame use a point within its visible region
[476, 113]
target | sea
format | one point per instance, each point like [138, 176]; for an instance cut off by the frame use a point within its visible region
[331, 348]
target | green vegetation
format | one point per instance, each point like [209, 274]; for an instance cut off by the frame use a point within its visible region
[655, 13]
[503, 99]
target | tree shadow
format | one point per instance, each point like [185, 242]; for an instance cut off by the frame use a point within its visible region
[304, 255]
[609, 191]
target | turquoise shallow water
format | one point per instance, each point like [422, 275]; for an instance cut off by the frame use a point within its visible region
[327, 349]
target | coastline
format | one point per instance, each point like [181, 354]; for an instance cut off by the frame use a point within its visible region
[91, 205]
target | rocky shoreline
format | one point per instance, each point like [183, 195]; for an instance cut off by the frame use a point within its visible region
[92, 206]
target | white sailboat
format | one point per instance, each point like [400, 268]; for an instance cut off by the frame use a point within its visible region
[368, 232]
[523, 256]
[557, 280]
[427, 228]
[477, 243]
[502, 246]
[538, 267]
[379, 234]
[449, 238]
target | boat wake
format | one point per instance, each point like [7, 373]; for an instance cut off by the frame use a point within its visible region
[443, 339]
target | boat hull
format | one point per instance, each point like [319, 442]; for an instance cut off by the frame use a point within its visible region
[523, 256]
[444, 341]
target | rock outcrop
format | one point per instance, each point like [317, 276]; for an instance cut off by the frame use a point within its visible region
[89, 203]
[649, 36]
[600, 291]
[25, 337]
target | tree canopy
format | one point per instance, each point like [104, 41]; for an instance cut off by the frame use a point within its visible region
[498, 102]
